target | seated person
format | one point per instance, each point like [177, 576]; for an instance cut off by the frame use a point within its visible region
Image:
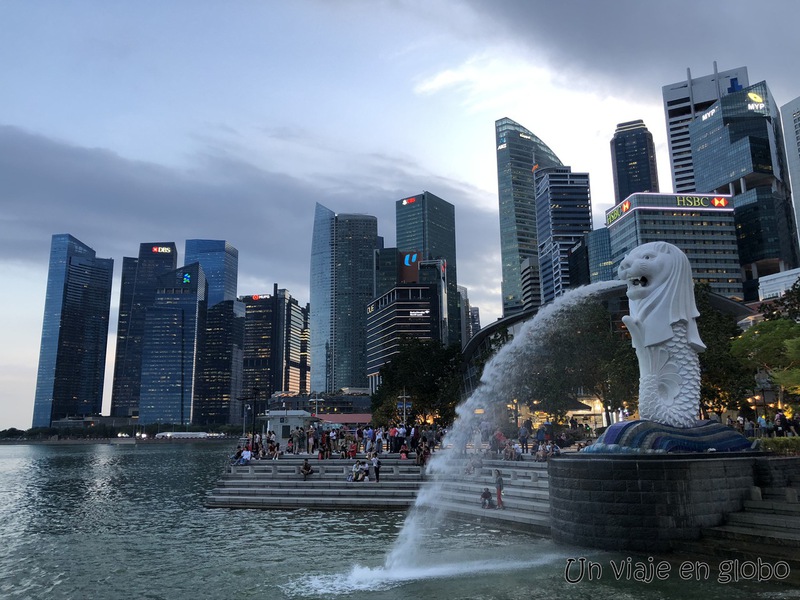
[352, 450]
[306, 470]
[554, 450]
[486, 499]
[404, 451]
[246, 456]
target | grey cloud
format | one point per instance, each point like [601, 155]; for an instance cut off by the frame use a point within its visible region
[637, 46]
[113, 204]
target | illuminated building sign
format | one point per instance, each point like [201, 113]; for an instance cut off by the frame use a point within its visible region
[420, 313]
[162, 249]
[408, 201]
[187, 278]
[409, 259]
[757, 101]
[666, 202]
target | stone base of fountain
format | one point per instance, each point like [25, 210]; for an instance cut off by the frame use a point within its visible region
[645, 502]
[635, 437]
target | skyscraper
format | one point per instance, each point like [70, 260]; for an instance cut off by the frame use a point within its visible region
[633, 159]
[683, 102]
[172, 349]
[700, 225]
[72, 354]
[737, 149]
[790, 115]
[276, 343]
[220, 262]
[139, 280]
[221, 375]
[519, 154]
[563, 217]
[427, 224]
[342, 282]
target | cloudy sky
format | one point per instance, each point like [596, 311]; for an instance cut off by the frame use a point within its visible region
[128, 122]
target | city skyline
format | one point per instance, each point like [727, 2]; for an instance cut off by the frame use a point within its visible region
[123, 125]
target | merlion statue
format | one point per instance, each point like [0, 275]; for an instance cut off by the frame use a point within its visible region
[664, 332]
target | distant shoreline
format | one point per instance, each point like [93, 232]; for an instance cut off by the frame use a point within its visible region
[80, 441]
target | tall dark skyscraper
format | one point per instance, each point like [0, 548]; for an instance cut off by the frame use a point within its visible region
[563, 217]
[72, 354]
[172, 349]
[683, 102]
[139, 281]
[276, 344]
[519, 154]
[633, 159]
[427, 224]
[220, 262]
[342, 283]
[737, 149]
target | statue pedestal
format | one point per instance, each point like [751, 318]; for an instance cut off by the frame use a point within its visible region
[645, 502]
[632, 437]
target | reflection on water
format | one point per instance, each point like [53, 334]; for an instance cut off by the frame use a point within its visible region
[97, 521]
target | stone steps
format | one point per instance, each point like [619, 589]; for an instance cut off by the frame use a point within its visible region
[515, 519]
[765, 521]
[773, 507]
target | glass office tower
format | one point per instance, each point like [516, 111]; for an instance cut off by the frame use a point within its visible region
[139, 282]
[427, 224]
[683, 102]
[519, 154]
[276, 343]
[72, 355]
[633, 159]
[172, 349]
[737, 149]
[563, 217]
[220, 262]
[341, 284]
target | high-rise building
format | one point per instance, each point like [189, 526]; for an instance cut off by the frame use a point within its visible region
[466, 321]
[737, 149]
[221, 377]
[683, 102]
[72, 355]
[342, 283]
[790, 115]
[519, 154]
[139, 282]
[475, 317]
[427, 224]
[172, 348]
[563, 217]
[700, 225]
[410, 310]
[601, 261]
[221, 374]
[633, 159]
[220, 262]
[276, 343]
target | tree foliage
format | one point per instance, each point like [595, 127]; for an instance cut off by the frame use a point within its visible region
[582, 353]
[724, 380]
[429, 373]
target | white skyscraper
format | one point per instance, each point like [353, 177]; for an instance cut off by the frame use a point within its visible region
[790, 116]
[685, 100]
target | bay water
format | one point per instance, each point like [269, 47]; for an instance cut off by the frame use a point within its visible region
[103, 521]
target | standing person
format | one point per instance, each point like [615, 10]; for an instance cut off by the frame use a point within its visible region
[376, 467]
[379, 440]
[393, 438]
[523, 438]
[498, 486]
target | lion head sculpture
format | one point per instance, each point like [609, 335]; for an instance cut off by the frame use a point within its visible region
[661, 292]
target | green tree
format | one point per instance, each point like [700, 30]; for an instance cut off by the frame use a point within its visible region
[785, 307]
[724, 380]
[429, 373]
[583, 353]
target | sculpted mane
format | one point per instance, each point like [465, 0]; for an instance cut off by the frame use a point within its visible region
[670, 300]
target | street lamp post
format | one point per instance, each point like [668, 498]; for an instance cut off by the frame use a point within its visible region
[255, 409]
[404, 398]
